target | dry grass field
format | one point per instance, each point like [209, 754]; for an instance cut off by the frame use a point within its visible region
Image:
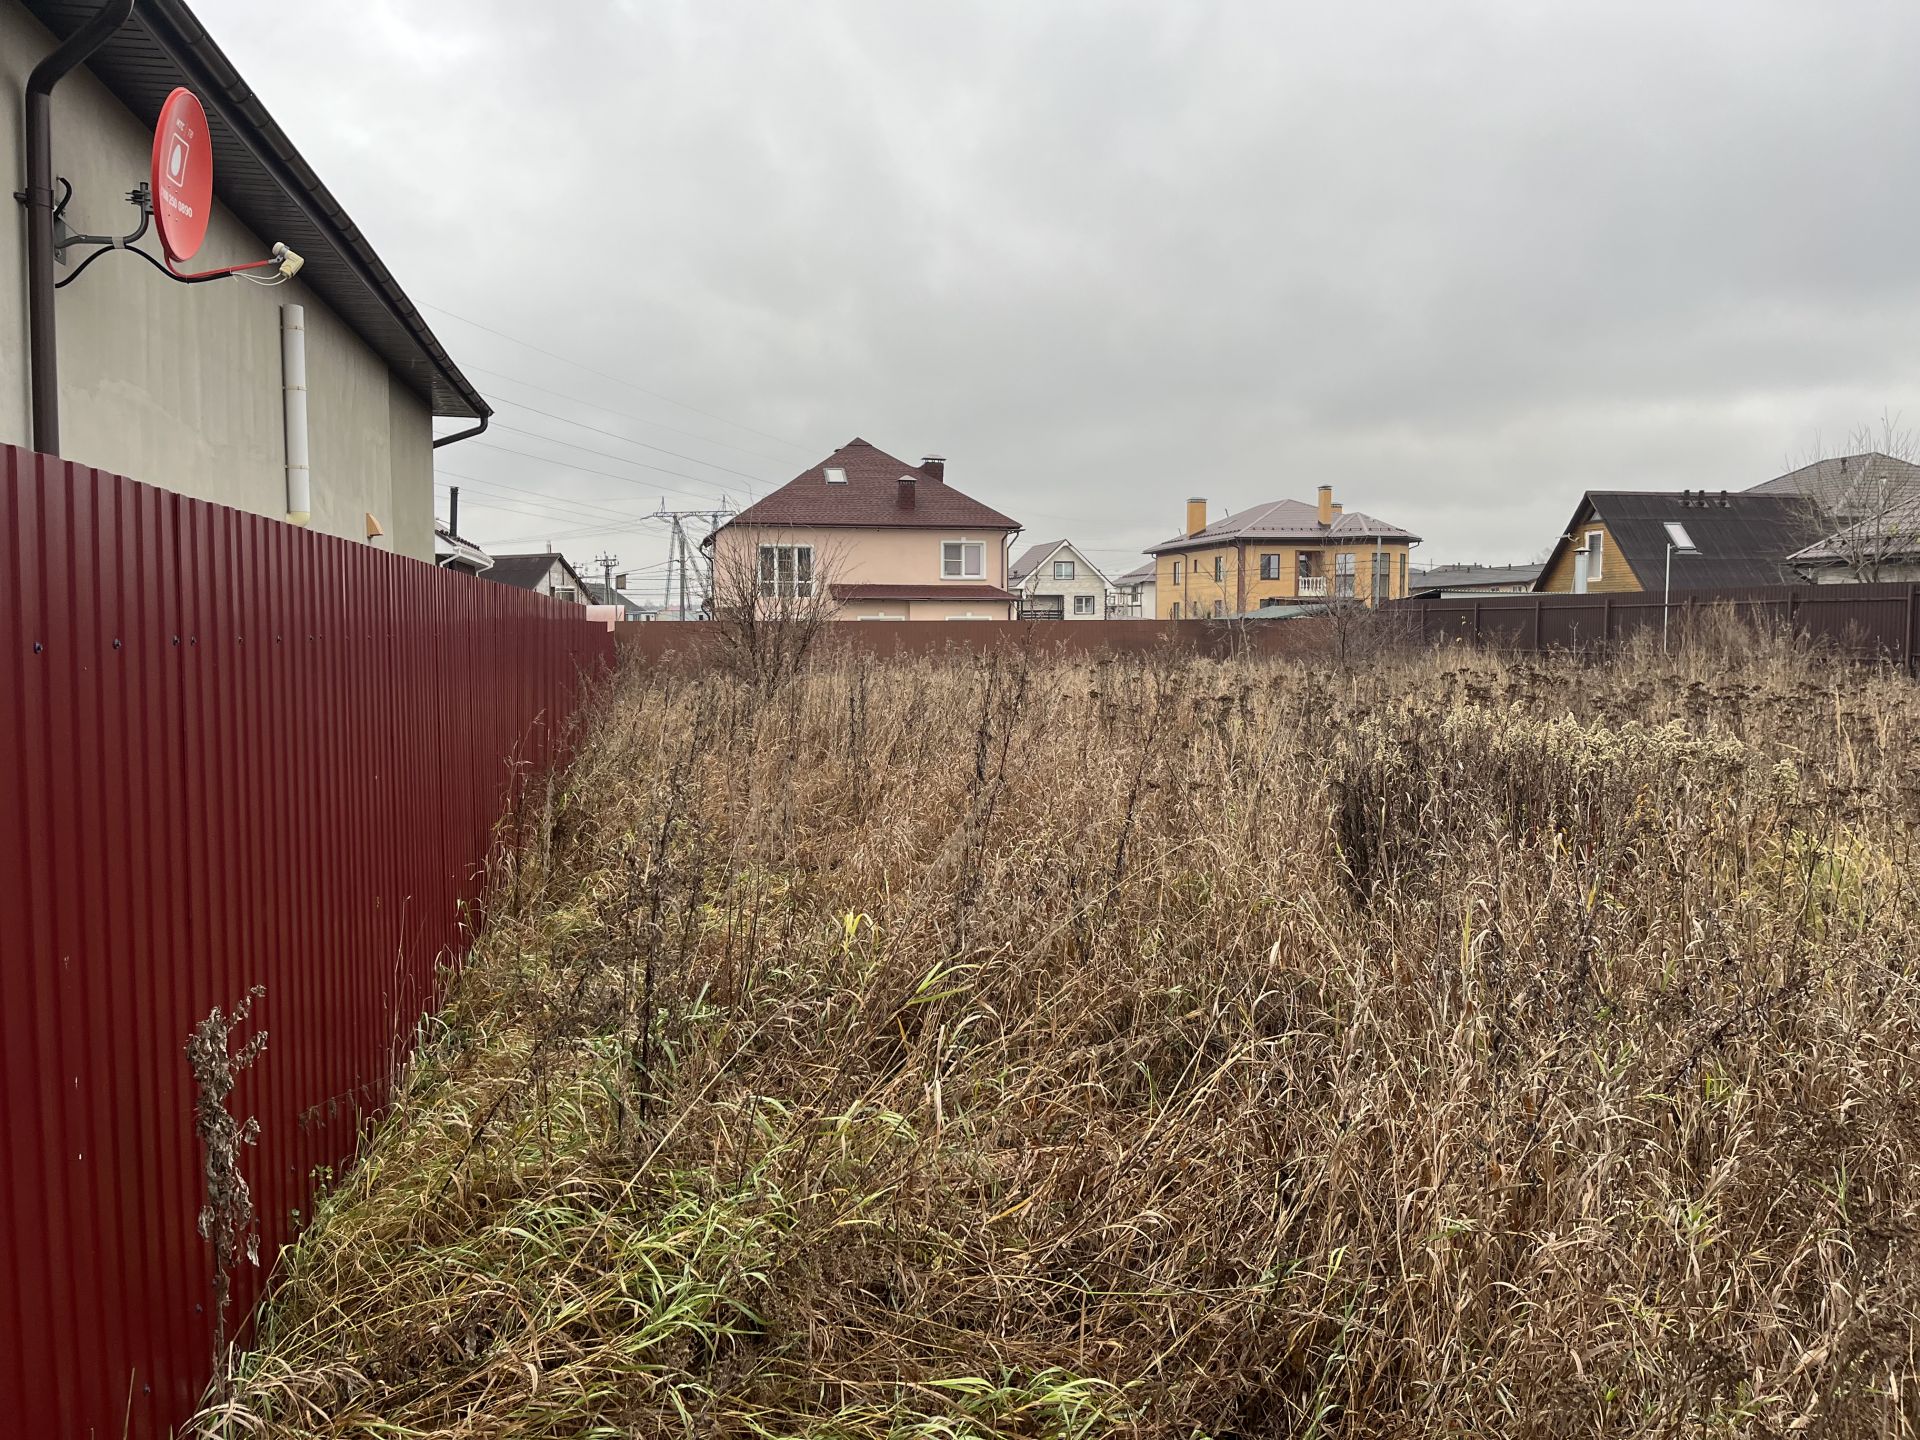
[991, 1048]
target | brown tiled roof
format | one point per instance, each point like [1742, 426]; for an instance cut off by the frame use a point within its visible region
[1285, 520]
[919, 592]
[870, 498]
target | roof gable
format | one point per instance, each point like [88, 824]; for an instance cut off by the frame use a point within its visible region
[1033, 562]
[869, 497]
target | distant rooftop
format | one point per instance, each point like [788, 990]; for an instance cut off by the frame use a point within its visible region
[1286, 520]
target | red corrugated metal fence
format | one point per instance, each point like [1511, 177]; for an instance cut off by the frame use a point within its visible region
[231, 753]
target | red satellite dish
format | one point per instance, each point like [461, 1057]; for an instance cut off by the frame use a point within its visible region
[182, 175]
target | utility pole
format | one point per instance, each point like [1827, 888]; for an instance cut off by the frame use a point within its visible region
[606, 563]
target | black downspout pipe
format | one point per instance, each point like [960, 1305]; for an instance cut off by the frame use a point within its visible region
[43, 355]
[462, 434]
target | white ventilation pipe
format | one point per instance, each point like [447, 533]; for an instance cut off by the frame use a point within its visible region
[293, 370]
[1581, 559]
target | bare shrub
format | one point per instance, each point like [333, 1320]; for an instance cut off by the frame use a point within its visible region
[1454, 1045]
[769, 625]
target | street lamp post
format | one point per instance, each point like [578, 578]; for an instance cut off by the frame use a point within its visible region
[1678, 543]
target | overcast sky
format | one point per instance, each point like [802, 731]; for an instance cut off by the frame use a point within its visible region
[1461, 260]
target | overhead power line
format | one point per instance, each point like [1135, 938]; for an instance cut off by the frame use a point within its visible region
[611, 475]
[610, 410]
[753, 480]
[618, 380]
[589, 507]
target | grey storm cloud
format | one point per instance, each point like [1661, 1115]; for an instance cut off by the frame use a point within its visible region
[1462, 261]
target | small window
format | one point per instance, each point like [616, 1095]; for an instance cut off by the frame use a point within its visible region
[1219, 568]
[1083, 604]
[1219, 608]
[962, 560]
[1269, 567]
[1063, 569]
[1176, 611]
[1596, 552]
[1176, 580]
[836, 476]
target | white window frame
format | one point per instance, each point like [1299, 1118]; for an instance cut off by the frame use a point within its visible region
[1596, 553]
[771, 586]
[1088, 602]
[977, 548]
[1176, 572]
[836, 475]
[1063, 570]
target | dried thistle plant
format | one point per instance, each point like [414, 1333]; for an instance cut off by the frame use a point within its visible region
[227, 1218]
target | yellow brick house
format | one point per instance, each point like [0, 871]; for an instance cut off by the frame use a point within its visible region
[1277, 553]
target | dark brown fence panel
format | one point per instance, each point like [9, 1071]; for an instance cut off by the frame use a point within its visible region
[696, 641]
[235, 754]
[1872, 621]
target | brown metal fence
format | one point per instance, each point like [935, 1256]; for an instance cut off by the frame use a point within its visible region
[232, 753]
[1874, 621]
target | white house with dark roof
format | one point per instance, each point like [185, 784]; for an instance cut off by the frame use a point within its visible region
[1056, 581]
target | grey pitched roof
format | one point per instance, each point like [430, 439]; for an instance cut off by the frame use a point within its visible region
[1895, 533]
[1034, 556]
[1028, 559]
[265, 182]
[1138, 575]
[524, 572]
[1469, 577]
[1285, 520]
[1848, 485]
[1744, 538]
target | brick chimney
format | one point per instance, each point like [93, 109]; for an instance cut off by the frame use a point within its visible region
[1327, 511]
[1196, 516]
[934, 467]
[908, 492]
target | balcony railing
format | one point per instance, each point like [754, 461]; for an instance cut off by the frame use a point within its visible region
[1313, 585]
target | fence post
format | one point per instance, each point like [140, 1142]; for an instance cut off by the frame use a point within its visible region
[1606, 621]
[1910, 635]
[1538, 608]
[1476, 625]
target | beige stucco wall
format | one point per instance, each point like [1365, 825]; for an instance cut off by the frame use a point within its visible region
[180, 385]
[851, 556]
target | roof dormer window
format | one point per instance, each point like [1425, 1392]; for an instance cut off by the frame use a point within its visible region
[836, 476]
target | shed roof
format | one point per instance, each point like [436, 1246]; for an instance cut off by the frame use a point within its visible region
[869, 497]
[268, 186]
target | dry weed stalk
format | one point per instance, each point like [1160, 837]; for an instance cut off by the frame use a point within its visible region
[227, 1219]
[1172, 1049]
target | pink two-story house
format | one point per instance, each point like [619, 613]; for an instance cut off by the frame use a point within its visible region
[887, 541]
